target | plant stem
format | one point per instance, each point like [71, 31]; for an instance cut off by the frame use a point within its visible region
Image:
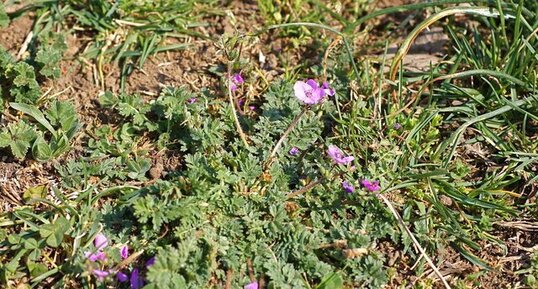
[234, 113]
[293, 124]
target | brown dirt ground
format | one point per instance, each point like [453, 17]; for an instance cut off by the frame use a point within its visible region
[79, 84]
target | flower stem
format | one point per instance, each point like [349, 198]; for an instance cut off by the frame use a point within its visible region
[293, 124]
[234, 113]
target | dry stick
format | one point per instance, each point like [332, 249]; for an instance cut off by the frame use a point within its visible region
[422, 251]
[293, 123]
[326, 55]
[305, 188]
[24, 46]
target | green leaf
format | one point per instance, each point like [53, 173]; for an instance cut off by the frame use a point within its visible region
[5, 139]
[37, 192]
[4, 18]
[25, 74]
[48, 58]
[54, 233]
[21, 135]
[331, 281]
[59, 145]
[36, 269]
[19, 148]
[108, 99]
[62, 114]
[41, 150]
[34, 112]
[31, 244]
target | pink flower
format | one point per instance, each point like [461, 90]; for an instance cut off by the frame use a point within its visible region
[371, 186]
[100, 241]
[327, 89]
[236, 80]
[192, 100]
[309, 92]
[124, 252]
[348, 187]
[252, 285]
[100, 274]
[338, 156]
[99, 255]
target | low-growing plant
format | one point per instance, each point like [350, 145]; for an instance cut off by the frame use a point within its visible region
[48, 135]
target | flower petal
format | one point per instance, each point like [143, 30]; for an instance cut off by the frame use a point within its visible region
[99, 255]
[237, 78]
[100, 274]
[135, 280]
[100, 241]
[124, 252]
[312, 83]
[300, 88]
[252, 285]
[294, 151]
[370, 186]
[348, 187]
[327, 89]
[122, 277]
[317, 96]
[150, 262]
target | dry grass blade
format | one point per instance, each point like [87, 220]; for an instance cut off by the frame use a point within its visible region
[406, 45]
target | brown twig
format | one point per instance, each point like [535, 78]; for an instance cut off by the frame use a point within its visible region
[292, 125]
[305, 188]
[326, 55]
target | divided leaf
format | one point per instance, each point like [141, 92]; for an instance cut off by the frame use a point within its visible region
[54, 233]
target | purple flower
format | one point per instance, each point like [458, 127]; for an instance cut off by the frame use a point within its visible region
[100, 241]
[99, 255]
[294, 151]
[327, 89]
[135, 280]
[397, 126]
[124, 252]
[150, 262]
[235, 80]
[338, 156]
[192, 100]
[348, 187]
[100, 274]
[251, 285]
[309, 92]
[122, 277]
[371, 186]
